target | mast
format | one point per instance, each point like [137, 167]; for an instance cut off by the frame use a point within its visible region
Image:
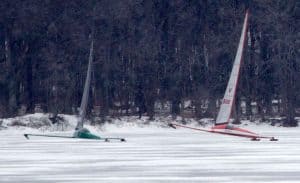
[85, 96]
[229, 96]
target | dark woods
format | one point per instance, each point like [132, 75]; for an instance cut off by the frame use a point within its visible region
[150, 56]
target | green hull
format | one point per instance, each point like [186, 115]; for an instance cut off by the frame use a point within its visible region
[85, 134]
[79, 134]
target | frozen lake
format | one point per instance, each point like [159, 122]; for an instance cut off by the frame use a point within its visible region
[152, 155]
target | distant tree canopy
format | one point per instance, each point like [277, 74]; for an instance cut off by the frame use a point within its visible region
[147, 51]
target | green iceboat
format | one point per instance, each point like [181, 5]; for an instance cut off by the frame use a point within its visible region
[80, 131]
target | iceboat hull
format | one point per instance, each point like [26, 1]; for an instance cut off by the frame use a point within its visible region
[227, 130]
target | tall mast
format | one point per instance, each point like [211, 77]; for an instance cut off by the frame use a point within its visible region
[85, 96]
[229, 96]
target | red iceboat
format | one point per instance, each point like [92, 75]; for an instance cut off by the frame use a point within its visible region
[222, 122]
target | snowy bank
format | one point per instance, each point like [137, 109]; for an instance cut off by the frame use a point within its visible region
[64, 122]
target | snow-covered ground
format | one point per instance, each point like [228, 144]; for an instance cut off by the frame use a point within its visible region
[152, 153]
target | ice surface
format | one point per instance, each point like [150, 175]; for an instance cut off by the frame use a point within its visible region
[151, 154]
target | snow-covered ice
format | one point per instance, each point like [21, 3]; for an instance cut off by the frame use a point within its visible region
[151, 154]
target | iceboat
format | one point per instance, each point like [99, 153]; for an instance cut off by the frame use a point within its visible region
[222, 125]
[81, 132]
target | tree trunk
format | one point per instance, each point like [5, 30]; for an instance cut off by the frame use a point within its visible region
[12, 85]
[236, 111]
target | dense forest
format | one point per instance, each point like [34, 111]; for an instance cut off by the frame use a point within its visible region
[148, 52]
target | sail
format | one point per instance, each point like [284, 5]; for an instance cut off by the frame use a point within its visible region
[85, 96]
[228, 99]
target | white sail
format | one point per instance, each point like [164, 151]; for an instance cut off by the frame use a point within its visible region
[228, 100]
[85, 96]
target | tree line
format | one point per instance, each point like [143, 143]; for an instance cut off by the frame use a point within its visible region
[148, 52]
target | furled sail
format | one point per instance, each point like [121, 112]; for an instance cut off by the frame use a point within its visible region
[228, 100]
[85, 96]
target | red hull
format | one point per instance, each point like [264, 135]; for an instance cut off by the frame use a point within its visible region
[228, 130]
